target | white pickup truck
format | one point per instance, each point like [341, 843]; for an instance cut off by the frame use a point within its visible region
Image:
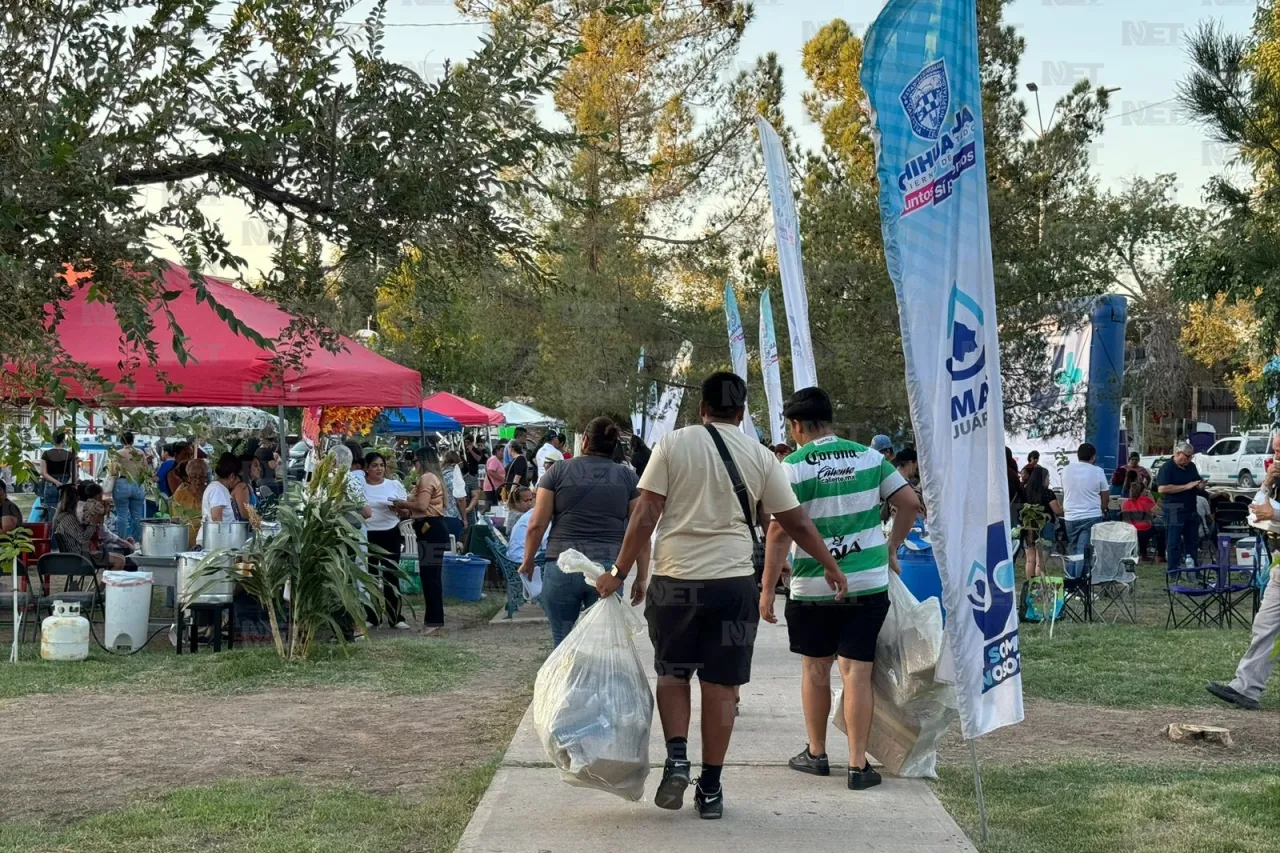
[1236, 460]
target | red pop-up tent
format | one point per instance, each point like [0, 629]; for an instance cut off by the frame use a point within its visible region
[463, 411]
[224, 367]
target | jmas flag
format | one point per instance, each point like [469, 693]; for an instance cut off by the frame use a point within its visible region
[920, 72]
[769, 367]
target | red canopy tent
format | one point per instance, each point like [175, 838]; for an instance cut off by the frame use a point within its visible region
[463, 411]
[224, 367]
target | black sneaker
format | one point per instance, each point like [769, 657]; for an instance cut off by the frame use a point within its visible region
[675, 778]
[709, 806]
[1230, 695]
[862, 779]
[807, 762]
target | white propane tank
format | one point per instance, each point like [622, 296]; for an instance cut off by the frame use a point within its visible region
[65, 634]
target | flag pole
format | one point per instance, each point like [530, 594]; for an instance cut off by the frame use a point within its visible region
[977, 788]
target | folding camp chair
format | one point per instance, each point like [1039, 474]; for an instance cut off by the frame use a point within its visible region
[1077, 585]
[28, 595]
[1114, 580]
[1238, 583]
[1195, 596]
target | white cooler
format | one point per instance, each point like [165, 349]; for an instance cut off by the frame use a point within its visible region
[128, 609]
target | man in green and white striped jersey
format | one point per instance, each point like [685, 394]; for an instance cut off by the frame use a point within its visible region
[842, 486]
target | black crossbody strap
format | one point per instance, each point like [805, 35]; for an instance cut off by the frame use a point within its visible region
[739, 487]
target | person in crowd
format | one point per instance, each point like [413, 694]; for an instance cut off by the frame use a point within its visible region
[1133, 469]
[10, 514]
[640, 454]
[80, 517]
[1037, 491]
[552, 450]
[531, 465]
[1086, 499]
[587, 502]
[515, 447]
[217, 503]
[704, 586]
[127, 471]
[472, 458]
[58, 467]
[821, 626]
[189, 498]
[355, 489]
[245, 493]
[1139, 510]
[168, 461]
[382, 494]
[883, 445]
[268, 453]
[620, 457]
[357, 459]
[455, 493]
[781, 451]
[1017, 495]
[471, 513]
[518, 471]
[426, 507]
[1033, 462]
[907, 464]
[1179, 484]
[495, 474]
[516, 545]
[167, 480]
[519, 501]
[1259, 660]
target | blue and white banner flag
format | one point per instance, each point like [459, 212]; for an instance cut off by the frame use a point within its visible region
[920, 73]
[786, 226]
[738, 350]
[769, 367]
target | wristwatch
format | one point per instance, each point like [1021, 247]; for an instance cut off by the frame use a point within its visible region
[618, 573]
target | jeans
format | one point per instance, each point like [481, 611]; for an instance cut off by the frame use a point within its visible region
[131, 507]
[565, 596]
[1079, 534]
[1182, 538]
[432, 546]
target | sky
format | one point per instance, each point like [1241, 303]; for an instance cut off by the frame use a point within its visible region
[1136, 45]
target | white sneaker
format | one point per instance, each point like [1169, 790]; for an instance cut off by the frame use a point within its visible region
[368, 624]
[402, 626]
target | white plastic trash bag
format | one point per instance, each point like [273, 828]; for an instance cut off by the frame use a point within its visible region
[592, 707]
[913, 709]
[532, 586]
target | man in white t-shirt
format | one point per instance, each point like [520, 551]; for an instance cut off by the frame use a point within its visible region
[703, 603]
[1086, 497]
[551, 451]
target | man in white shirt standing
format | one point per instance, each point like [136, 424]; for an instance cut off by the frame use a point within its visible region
[552, 450]
[703, 604]
[1086, 497]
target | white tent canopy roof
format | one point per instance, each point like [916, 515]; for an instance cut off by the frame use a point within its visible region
[518, 414]
[236, 418]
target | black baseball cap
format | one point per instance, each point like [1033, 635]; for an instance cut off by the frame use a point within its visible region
[809, 404]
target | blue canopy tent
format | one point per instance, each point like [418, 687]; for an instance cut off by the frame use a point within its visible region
[411, 421]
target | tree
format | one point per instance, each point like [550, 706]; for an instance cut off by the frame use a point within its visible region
[1234, 91]
[122, 119]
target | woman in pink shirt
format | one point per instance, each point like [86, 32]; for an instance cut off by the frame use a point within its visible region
[495, 474]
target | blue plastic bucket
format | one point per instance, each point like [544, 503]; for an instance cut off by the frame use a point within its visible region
[920, 574]
[463, 577]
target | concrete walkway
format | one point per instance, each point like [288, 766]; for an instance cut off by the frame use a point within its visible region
[768, 807]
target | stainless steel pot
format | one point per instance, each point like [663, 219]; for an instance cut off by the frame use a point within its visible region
[217, 535]
[269, 529]
[163, 537]
[215, 588]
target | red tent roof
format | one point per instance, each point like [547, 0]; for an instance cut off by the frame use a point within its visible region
[463, 411]
[224, 367]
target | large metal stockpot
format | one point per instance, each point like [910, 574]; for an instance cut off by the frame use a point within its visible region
[163, 537]
[216, 588]
[220, 535]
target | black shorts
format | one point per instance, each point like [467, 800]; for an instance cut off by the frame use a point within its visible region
[703, 627]
[848, 628]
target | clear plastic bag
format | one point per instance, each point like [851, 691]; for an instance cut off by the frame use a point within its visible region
[592, 707]
[913, 709]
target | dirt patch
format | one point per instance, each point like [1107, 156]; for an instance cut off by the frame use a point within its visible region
[1060, 731]
[79, 753]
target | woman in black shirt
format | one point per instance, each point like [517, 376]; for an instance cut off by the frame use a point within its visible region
[57, 468]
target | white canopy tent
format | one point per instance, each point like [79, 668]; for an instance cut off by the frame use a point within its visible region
[167, 418]
[518, 414]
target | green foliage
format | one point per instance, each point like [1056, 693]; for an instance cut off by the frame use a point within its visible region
[14, 544]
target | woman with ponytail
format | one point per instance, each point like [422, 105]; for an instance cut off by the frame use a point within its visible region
[586, 501]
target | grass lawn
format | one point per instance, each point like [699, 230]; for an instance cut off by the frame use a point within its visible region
[1089, 808]
[276, 815]
[402, 665]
